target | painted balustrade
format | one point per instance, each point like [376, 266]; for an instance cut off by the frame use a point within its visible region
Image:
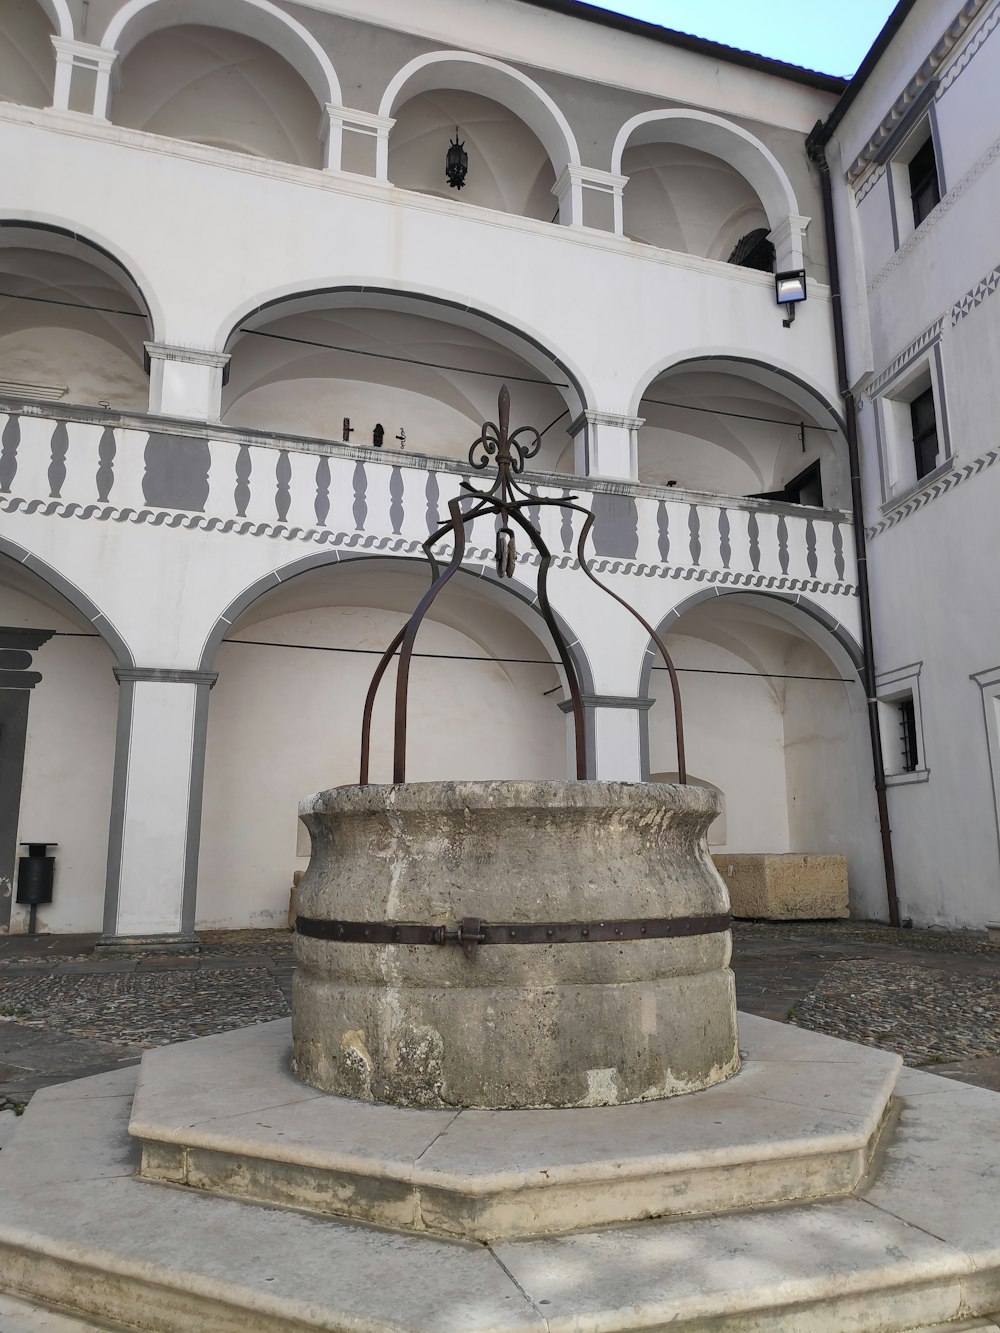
[387, 502]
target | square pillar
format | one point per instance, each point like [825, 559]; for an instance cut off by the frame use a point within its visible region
[185, 381]
[616, 728]
[89, 90]
[789, 241]
[590, 198]
[356, 142]
[606, 445]
[156, 805]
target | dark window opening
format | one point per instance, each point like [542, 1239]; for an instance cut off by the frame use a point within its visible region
[804, 489]
[925, 191]
[753, 250]
[925, 438]
[908, 734]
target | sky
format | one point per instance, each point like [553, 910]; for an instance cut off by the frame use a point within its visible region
[832, 38]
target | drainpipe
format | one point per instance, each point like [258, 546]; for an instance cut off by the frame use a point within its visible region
[816, 143]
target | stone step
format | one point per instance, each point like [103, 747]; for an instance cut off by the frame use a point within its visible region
[916, 1247]
[225, 1115]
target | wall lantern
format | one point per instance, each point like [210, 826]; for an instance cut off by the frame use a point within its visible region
[789, 290]
[457, 163]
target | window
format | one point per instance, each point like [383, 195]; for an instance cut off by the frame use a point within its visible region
[925, 190]
[911, 422]
[908, 733]
[901, 722]
[925, 441]
[804, 489]
[914, 172]
[754, 250]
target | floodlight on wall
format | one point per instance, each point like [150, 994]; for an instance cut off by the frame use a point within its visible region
[789, 290]
[456, 163]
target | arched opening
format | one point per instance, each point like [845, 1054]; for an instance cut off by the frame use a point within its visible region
[679, 198]
[510, 125]
[508, 169]
[426, 372]
[775, 719]
[72, 322]
[699, 183]
[58, 713]
[285, 714]
[733, 427]
[27, 60]
[222, 88]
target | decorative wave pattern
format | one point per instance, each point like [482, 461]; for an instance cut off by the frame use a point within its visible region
[400, 545]
[936, 489]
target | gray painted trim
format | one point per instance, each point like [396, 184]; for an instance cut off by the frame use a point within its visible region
[127, 679]
[891, 146]
[199, 747]
[19, 680]
[73, 595]
[944, 430]
[14, 719]
[166, 676]
[644, 745]
[119, 791]
[932, 116]
[822, 401]
[638, 704]
[275, 578]
[27, 639]
[892, 207]
[418, 297]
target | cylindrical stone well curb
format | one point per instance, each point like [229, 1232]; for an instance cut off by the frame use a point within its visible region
[519, 1025]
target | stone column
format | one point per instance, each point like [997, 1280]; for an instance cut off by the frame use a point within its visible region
[606, 445]
[617, 732]
[185, 381]
[156, 805]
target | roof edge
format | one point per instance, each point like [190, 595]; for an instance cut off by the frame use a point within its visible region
[827, 83]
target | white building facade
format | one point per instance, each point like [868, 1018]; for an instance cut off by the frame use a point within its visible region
[248, 334]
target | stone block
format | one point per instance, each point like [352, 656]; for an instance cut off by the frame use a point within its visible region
[785, 886]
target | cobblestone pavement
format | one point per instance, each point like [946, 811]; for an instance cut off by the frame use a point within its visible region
[67, 1011]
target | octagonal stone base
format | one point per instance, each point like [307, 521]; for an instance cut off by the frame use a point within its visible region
[225, 1115]
[520, 1025]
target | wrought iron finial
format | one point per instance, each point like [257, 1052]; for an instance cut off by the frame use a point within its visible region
[509, 501]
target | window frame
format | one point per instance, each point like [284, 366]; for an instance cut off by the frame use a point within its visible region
[916, 130]
[892, 396]
[893, 688]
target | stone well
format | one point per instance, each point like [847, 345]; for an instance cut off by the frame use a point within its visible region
[594, 1022]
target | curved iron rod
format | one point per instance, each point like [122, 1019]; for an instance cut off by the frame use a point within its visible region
[661, 646]
[410, 633]
[572, 680]
[390, 652]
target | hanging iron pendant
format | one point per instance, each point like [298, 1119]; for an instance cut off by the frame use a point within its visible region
[456, 163]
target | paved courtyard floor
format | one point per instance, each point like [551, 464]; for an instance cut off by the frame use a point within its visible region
[67, 1011]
